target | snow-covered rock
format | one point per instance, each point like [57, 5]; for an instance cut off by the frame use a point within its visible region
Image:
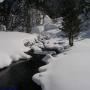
[47, 20]
[36, 48]
[47, 58]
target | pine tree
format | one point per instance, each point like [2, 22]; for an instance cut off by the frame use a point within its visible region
[71, 21]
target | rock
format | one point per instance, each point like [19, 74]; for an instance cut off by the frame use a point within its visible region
[46, 58]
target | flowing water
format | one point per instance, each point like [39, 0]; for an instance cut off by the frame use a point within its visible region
[19, 76]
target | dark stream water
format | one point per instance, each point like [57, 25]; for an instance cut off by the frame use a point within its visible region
[19, 76]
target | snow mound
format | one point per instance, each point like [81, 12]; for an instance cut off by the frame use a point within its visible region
[67, 71]
[47, 19]
[12, 46]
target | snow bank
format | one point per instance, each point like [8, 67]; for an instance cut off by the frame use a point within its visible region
[67, 71]
[12, 46]
[1, 1]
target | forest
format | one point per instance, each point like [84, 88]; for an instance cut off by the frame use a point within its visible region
[22, 15]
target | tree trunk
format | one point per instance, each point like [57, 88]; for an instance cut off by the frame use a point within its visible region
[70, 39]
[28, 17]
[28, 22]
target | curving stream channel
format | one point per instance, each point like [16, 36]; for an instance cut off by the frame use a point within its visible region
[19, 76]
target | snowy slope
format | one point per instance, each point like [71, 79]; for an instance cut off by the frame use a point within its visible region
[12, 46]
[68, 71]
[1, 1]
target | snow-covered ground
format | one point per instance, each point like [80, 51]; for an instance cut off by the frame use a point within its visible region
[12, 46]
[69, 70]
[50, 36]
[1, 1]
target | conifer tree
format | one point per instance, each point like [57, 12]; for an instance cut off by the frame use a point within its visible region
[71, 21]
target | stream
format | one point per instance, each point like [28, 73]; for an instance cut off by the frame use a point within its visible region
[19, 76]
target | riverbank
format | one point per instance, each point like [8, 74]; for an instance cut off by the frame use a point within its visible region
[20, 75]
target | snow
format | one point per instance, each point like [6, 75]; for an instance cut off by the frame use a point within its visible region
[12, 46]
[69, 70]
[47, 20]
[1, 1]
[50, 38]
[50, 27]
[37, 29]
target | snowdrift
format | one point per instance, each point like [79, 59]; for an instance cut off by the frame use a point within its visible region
[67, 71]
[12, 46]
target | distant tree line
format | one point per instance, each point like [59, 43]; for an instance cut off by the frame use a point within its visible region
[23, 14]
